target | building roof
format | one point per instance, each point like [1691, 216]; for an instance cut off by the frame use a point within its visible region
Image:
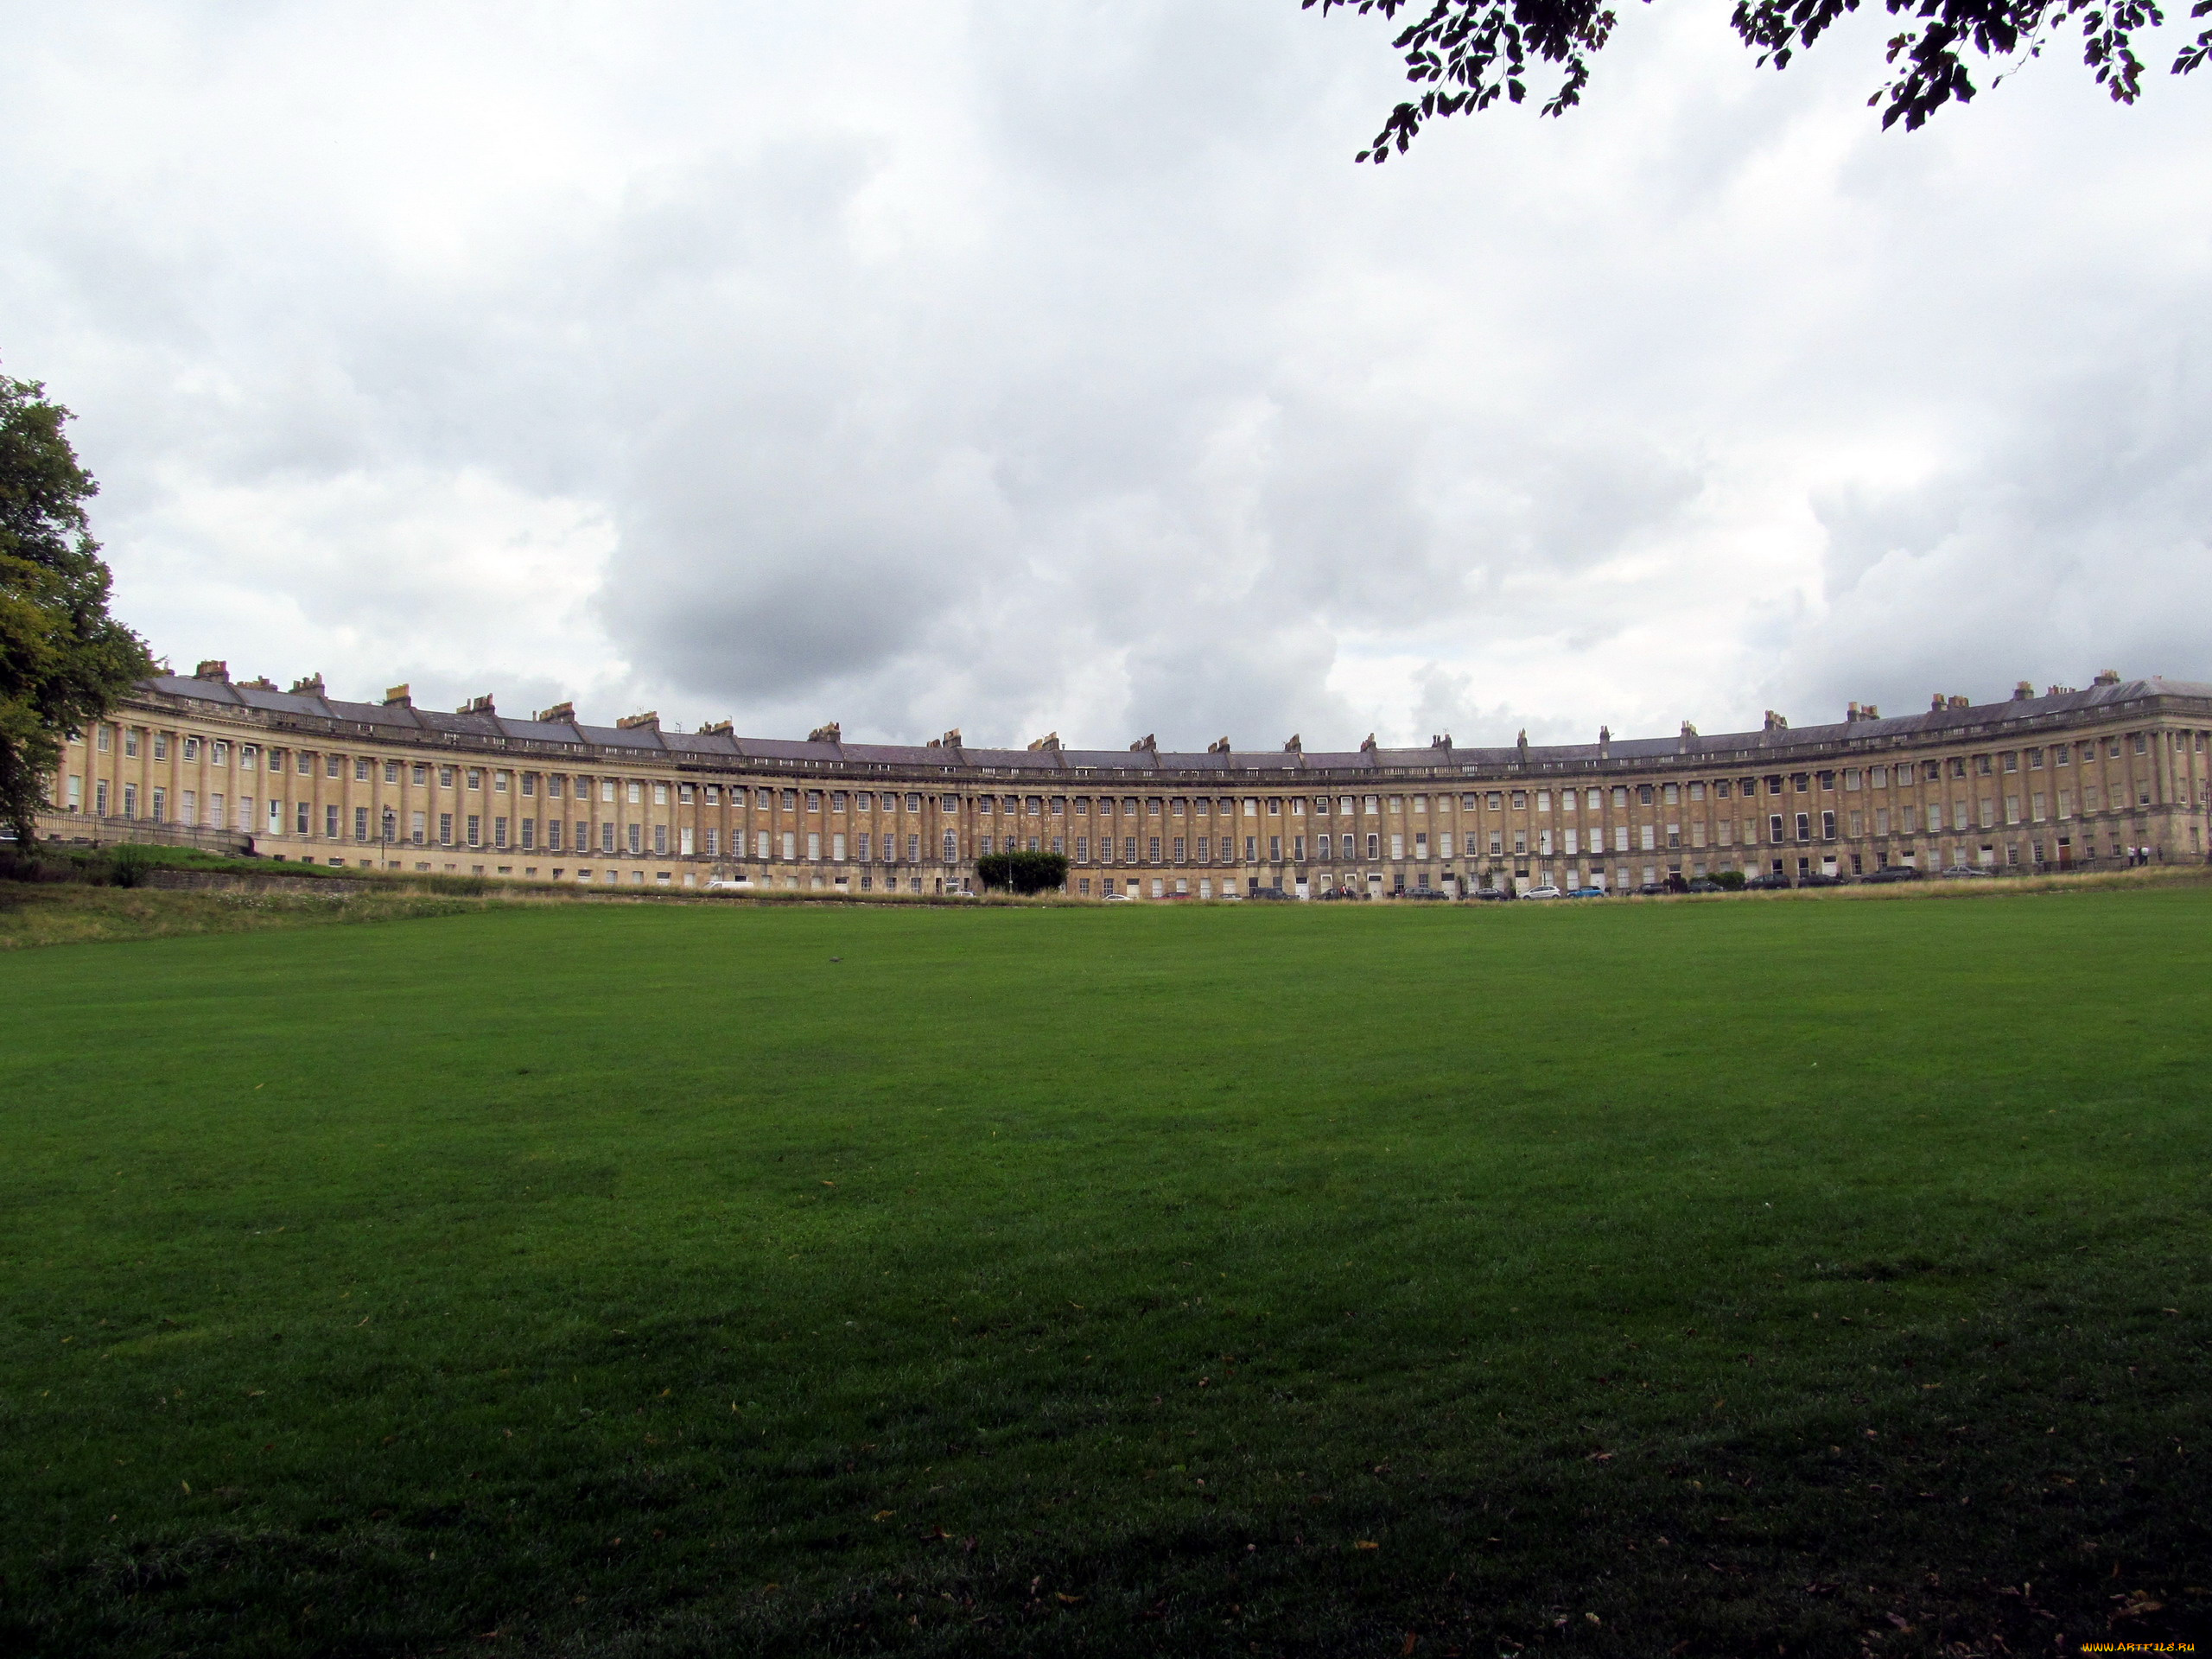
[485, 727]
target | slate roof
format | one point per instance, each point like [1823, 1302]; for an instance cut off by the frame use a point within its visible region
[292, 709]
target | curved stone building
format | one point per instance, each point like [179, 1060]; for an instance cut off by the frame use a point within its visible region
[2069, 779]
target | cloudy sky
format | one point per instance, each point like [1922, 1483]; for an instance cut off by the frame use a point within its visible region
[1021, 365]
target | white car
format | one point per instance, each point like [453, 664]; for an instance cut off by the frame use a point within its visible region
[718, 885]
[1547, 891]
[1114, 899]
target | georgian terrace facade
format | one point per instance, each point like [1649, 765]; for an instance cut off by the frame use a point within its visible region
[2069, 779]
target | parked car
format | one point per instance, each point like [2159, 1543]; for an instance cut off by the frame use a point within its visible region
[720, 883]
[1492, 896]
[1267, 893]
[1586, 893]
[1334, 894]
[1545, 890]
[1704, 884]
[1964, 872]
[1767, 884]
[1114, 899]
[1652, 889]
[1823, 878]
[1892, 873]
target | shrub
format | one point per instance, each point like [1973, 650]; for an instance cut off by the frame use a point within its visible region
[19, 864]
[128, 865]
[1023, 873]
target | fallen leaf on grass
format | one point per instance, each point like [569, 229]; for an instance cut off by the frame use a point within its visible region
[885, 1515]
[1366, 1543]
[1063, 1596]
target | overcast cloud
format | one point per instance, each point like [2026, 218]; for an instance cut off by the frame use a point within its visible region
[1050, 366]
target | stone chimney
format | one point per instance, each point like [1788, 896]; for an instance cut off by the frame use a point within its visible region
[2023, 691]
[1689, 730]
[1604, 742]
[1367, 746]
[1775, 722]
[395, 696]
[1219, 746]
[1960, 702]
[259, 683]
[309, 685]
[477, 706]
[2109, 677]
[1146, 745]
[831, 732]
[1521, 749]
[213, 671]
[1937, 704]
[1048, 744]
[1441, 740]
[648, 721]
[561, 713]
[716, 728]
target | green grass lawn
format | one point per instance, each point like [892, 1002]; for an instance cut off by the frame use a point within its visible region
[1702, 1278]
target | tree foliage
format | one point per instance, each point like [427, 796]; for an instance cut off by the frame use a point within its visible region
[1023, 873]
[64, 661]
[1466, 54]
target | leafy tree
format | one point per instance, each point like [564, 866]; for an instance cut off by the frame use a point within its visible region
[1023, 873]
[1466, 54]
[64, 661]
